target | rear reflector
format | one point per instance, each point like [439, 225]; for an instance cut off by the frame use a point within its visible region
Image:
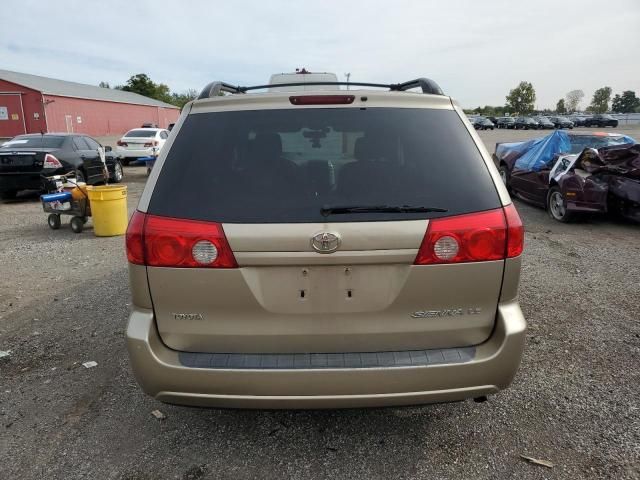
[322, 99]
[51, 162]
[475, 237]
[171, 242]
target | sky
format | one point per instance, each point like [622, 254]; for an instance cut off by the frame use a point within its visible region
[476, 50]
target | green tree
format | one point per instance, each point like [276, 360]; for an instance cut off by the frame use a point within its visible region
[163, 93]
[625, 103]
[522, 98]
[573, 99]
[180, 99]
[141, 84]
[104, 85]
[600, 101]
[560, 108]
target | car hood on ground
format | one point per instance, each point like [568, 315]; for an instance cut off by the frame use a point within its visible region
[619, 160]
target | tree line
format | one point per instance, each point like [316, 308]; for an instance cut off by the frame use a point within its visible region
[143, 85]
[521, 100]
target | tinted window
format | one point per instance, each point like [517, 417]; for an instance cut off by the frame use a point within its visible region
[80, 144]
[279, 166]
[93, 145]
[141, 133]
[36, 141]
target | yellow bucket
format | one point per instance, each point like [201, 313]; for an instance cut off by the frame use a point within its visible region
[109, 210]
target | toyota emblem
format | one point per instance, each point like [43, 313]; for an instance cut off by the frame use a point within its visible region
[325, 242]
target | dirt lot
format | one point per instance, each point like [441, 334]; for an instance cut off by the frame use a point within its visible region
[64, 301]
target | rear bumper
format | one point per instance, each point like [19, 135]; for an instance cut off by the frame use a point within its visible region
[136, 153]
[162, 375]
[20, 181]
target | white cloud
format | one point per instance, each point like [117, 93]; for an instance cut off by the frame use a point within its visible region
[477, 51]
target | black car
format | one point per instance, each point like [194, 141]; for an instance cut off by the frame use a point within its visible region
[600, 120]
[526, 123]
[506, 122]
[544, 123]
[494, 120]
[26, 158]
[578, 120]
[481, 123]
[561, 122]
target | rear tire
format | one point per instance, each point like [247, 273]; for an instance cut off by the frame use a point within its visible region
[77, 224]
[557, 206]
[117, 173]
[505, 176]
[54, 221]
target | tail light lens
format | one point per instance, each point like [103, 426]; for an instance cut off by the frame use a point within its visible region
[322, 99]
[120, 143]
[476, 237]
[51, 162]
[170, 242]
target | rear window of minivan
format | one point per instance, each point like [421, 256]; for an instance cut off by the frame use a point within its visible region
[285, 166]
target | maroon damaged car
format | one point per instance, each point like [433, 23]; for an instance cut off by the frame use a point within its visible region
[579, 173]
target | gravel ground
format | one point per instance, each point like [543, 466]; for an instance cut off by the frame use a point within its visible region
[64, 301]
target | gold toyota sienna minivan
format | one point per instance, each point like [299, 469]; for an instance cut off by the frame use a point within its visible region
[319, 248]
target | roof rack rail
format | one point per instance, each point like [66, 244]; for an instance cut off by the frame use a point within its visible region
[426, 84]
[216, 88]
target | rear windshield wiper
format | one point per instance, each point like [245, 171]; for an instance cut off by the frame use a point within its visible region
[339, 210]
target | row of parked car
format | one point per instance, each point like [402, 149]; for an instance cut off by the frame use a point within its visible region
[543, 122]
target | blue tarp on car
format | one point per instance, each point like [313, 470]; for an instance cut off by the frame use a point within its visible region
[539, 152]
[534, 155]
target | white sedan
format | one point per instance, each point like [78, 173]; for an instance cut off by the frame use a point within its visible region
[141, 143]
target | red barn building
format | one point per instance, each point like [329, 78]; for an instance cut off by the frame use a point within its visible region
[34, 104]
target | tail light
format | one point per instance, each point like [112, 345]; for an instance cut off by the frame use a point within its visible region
[120, 143]
[475, 237]
[171, 242]
[151, 144]
[322, 99]
[51, 162]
